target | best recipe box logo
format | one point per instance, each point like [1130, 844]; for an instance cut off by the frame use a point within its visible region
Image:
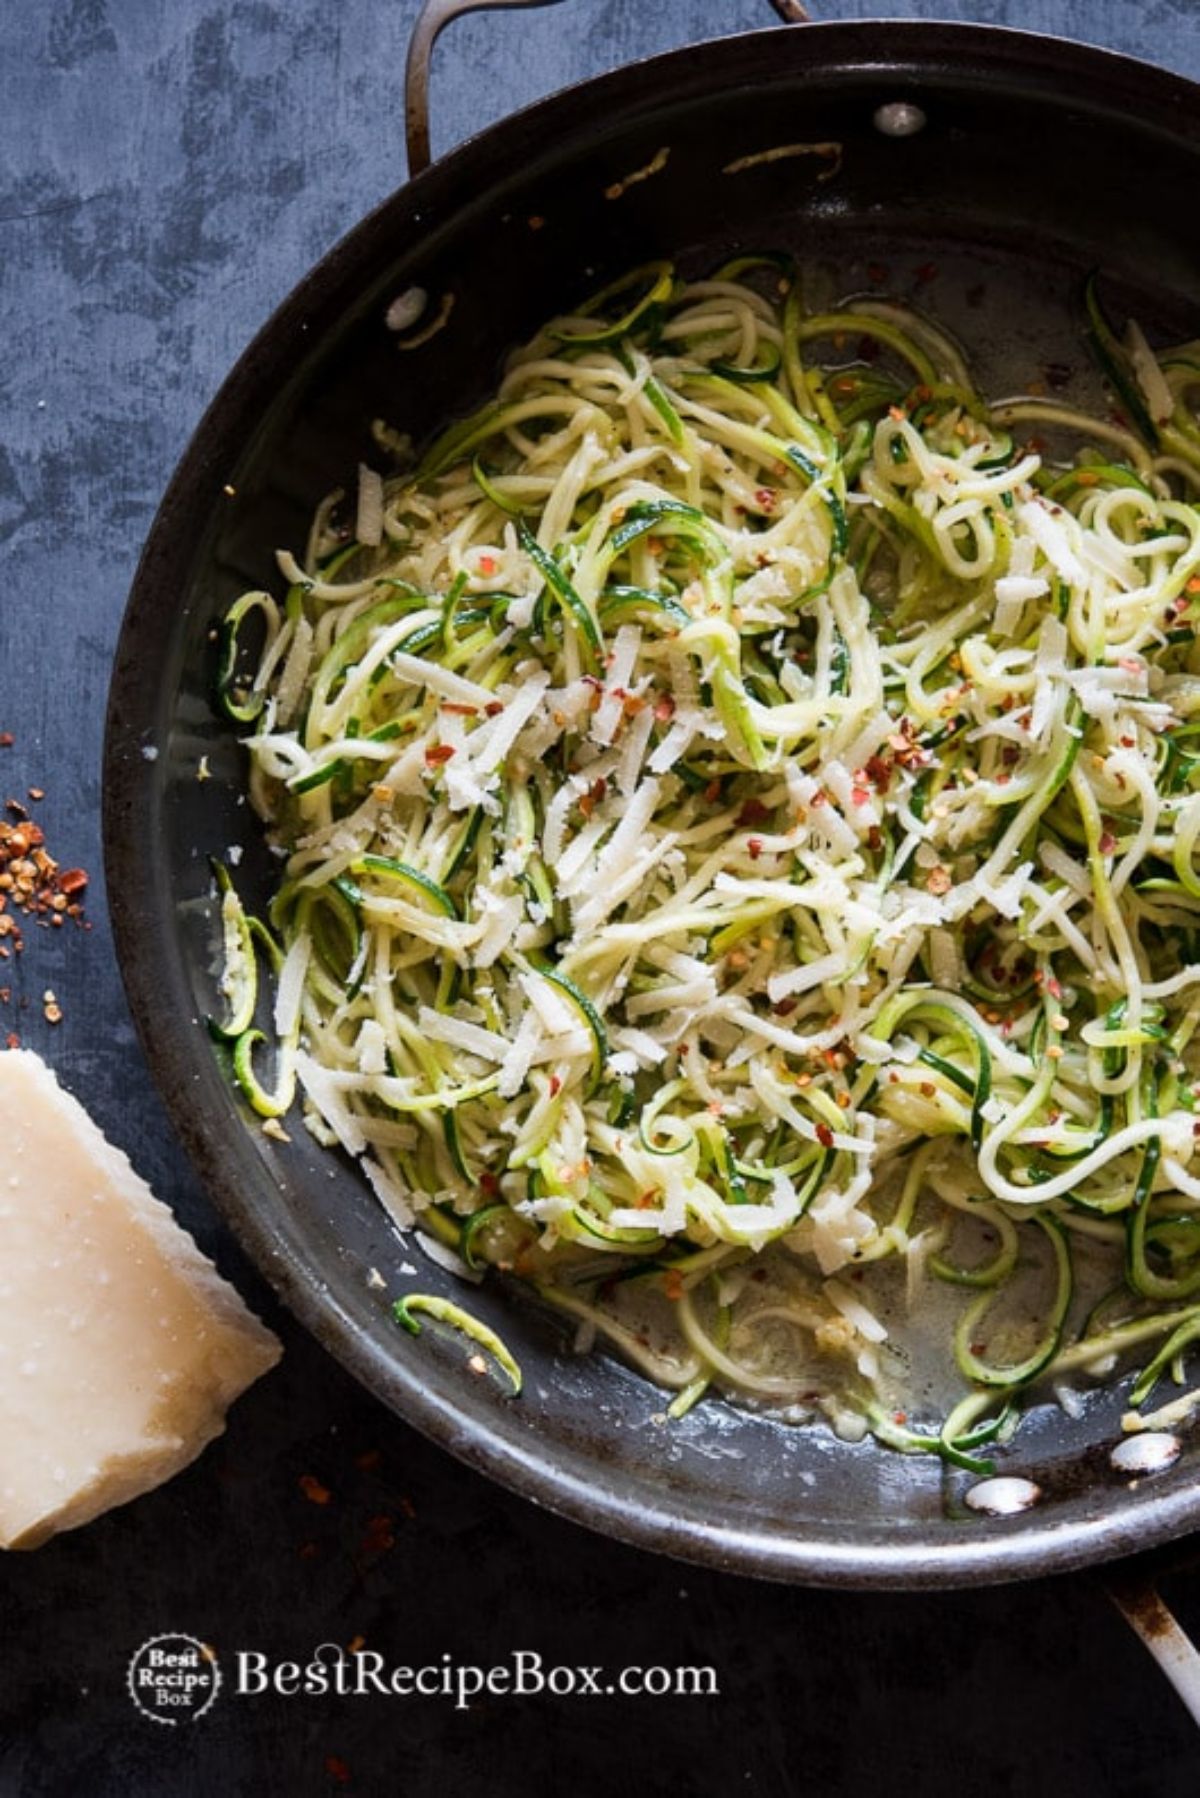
[175, 1678]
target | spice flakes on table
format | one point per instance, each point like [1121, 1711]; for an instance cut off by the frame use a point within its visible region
[33, 885]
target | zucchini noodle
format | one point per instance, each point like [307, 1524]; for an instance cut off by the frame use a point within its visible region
[738, 799]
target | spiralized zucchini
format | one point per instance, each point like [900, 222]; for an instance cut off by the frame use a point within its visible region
[740, 796]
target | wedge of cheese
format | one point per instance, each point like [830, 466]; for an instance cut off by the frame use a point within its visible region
[121, 1347]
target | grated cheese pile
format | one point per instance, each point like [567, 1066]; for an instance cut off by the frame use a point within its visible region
[739, 807]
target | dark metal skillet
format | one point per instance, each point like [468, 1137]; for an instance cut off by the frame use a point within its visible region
[1031, 161]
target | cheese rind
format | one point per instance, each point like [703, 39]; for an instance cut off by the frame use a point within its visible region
[121, 1347]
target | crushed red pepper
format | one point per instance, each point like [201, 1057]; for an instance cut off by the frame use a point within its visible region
[32, 884]
[378, 1536]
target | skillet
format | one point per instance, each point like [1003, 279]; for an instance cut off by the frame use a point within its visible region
[987, 171]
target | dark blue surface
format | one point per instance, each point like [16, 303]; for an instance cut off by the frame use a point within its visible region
[168, 169]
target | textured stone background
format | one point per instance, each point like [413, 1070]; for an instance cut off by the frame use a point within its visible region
[168, 170]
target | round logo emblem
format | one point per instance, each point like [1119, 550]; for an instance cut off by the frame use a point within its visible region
[173, 1679]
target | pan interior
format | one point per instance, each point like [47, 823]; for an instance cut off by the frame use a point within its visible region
[982, 218]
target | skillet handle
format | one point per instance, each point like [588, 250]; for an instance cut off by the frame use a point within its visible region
[1154, 1623]
[432, 20]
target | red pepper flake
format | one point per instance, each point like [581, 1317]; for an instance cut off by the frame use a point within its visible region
[593, 797]
[900, 1417]
[664, 708]
[1107, 842]
[378, 1536]
[825, 1136]
[488, 1182]
[712, 791]
[753, 812]
[337, 1769]
[754, 847]
[459, 711]
[493, 708]
[6, 739]
[313, 1490]
[555, 1086]
[487, 565]
[12, 1040]
[766, 498]
[673, 1284]
[437, 753]
[860, 796]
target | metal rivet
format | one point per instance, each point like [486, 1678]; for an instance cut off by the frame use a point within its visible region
[899, 118]
[1148, 1452]
[1003, 1496]
[406, 309]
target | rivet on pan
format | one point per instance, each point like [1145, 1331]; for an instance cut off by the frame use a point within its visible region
[899, 118]
[406, 309]
[1149, 1452]
[1004, 1496]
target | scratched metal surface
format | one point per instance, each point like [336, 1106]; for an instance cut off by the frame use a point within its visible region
[168, 169]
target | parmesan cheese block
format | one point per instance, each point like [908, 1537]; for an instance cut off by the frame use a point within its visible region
[121, 1347]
